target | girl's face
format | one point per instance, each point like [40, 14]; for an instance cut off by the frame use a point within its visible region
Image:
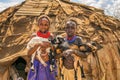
[43, 25]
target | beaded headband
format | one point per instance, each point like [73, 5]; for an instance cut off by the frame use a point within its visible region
[71, 23]
[44, 17]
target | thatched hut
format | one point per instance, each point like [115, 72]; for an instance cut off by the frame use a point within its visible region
[18, 22]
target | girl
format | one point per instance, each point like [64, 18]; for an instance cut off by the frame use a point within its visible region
[41, 62]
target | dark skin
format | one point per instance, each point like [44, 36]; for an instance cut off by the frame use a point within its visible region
[71, 31]
[43, 27]
[32, 50]
[75, 49]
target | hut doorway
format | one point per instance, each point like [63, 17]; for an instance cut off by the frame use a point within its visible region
[17, 70]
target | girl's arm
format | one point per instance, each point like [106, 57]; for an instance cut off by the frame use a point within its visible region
[32, 50]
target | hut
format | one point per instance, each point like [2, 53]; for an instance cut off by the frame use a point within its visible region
[17, 23]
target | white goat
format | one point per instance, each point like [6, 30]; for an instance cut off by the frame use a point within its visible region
[34, 41]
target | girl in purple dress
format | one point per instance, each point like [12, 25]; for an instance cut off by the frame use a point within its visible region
[41, 62]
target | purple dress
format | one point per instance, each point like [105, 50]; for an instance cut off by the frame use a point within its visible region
[40, 72]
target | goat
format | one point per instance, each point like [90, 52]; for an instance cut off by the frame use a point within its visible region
[34, 41]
